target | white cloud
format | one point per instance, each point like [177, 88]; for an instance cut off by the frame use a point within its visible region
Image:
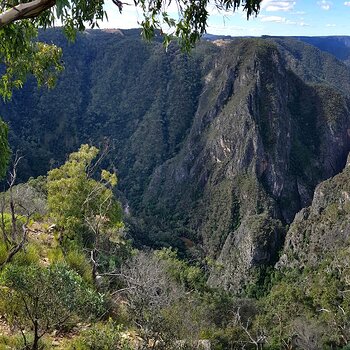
[274, 5]
[276, 19]
[347, 3]
[279, 19]
[129, 18]
[331, 25]
[325, 4]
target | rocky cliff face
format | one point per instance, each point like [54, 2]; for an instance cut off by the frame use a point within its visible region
[261, 140]
[322, 228]
[220, 149]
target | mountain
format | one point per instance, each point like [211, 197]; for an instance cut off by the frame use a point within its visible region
[321, 229]
[339, 46]
[216, 151]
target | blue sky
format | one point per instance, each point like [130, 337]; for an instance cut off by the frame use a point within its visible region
[290, 17]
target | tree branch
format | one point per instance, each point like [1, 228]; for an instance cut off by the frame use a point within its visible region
[16, 248]
[24, 11]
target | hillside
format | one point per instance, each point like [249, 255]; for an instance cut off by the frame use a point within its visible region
[339, 46]
[219, 149]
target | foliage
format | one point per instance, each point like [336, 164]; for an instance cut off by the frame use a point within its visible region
[6, 221]
[151, 293]
[77, 202]
[16, 342]
[189, 24]
[102, 336]
[45, 299]
[168, 298]
[190, 276]
[77, 261]
[28, 256]
[87, 216]
[21, 56]
[28, 201]
[145, 133]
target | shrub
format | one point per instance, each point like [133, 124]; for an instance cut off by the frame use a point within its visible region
[102, 336]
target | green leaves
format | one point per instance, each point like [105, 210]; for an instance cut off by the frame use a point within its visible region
[79, 203]
[60, 5]
[190, 21]
[22, 56]
[75, 14]
[46, 297]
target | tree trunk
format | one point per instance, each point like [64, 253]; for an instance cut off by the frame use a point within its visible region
[36, 336]
[94, 266]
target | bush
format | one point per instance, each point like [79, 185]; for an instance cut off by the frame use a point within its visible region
[16, 342]
[77, 261]
[28, 256]
[56, 296]
[3, 252]
[102, 336]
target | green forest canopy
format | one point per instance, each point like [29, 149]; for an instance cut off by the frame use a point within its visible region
[22, 55]
[20, 20]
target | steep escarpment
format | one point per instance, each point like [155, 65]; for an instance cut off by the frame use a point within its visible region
[116, 87]
[257, 148]
[322, 228]
[339, 46]
[218, 150]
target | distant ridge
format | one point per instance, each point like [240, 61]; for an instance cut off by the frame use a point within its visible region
[337, 45]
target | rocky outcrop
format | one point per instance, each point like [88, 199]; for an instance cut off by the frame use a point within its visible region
[254, 244]
[261, 140]
[322, 228]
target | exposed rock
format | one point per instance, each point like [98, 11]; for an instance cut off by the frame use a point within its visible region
[261, 140]
[254, 243]
[322, 228]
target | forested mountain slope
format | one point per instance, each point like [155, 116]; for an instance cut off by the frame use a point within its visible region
[219, 149]
[339, 46]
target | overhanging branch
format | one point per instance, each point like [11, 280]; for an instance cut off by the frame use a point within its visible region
[24, 11]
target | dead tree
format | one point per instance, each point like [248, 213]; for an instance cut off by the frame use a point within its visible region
[15, 232]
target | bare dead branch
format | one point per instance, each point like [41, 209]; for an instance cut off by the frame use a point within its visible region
[17, 247]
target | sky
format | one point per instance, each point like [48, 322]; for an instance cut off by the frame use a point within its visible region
[290, 17]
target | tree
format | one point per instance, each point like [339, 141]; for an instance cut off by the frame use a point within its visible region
[85, 211]
[190, 24]
[43, 299]
[4, 148]
[78, 202]
[17, 206]
[22, 55]
[151, 293]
